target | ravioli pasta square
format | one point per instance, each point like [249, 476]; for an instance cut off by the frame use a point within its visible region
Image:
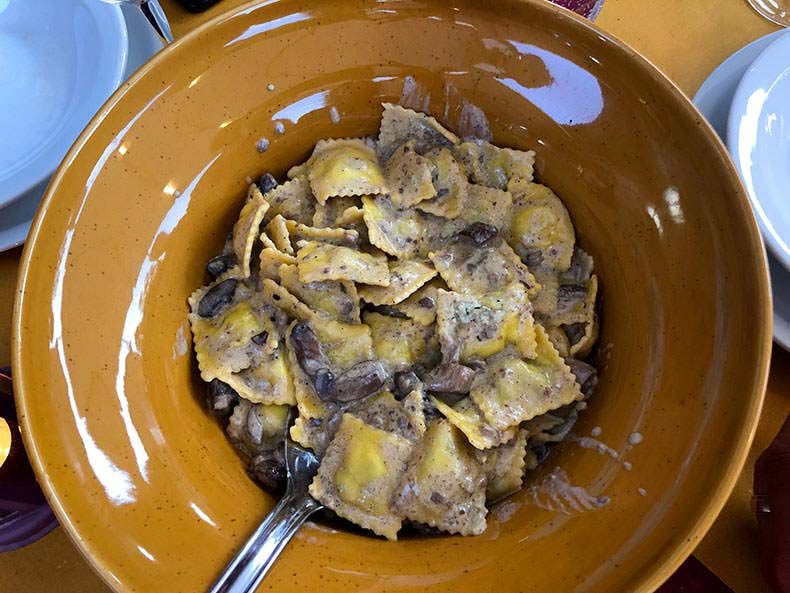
[512, 390]
[401, 343]
[267, 382]
[410, 177]
[444, 486]
[223, 335]
[347, 167]
[337, 236]
[359, 475]
[418, 318]
[277, 230]
[330, 212]
[476, 269]
[396, 232]
[488, 205]
[450, 183]
[271, 259]
[421, 306]
[478, 327]
[399, 125]
[505, 467]
[541, 227]
[491, 166]
[292, 200]
[322, 261]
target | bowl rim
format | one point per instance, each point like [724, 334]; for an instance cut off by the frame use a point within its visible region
[688, 538]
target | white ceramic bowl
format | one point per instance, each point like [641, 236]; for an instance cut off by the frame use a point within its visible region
[758, 137]
[59, 61]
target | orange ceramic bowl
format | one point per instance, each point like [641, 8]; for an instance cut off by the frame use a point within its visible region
[144, 479]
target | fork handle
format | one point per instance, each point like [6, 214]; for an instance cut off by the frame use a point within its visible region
[247, 569]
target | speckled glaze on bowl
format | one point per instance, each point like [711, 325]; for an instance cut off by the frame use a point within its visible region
[143, 478]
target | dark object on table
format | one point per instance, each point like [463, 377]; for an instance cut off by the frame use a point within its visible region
[197, 5]
[24, 513]
[772, 507]
[693, 577]
[586, 8]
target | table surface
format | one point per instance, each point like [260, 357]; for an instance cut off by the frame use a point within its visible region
[687, 39]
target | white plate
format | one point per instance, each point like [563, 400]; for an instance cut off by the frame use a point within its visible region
[758, 136]
[713, 99]
[15, 219]
[59, 61]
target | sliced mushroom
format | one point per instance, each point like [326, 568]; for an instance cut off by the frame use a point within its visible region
[480, 232]
[220, 264]
[217, 298]
[254, 427]
[586, 374]
[268, 468]
[237, 423]
[267, 183]
[221, 398]
[533, 257]
[575, 331]
[567, 293]
[541, 451]
[405, 383]
[324, 382]
[362, 379]
[476, 364]
[388, 310]
[261, 338]
[308, 350]
[449, 377]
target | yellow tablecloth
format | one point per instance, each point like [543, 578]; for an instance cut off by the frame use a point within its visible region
[687, 39]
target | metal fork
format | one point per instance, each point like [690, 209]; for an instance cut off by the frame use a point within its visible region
[247, 569]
